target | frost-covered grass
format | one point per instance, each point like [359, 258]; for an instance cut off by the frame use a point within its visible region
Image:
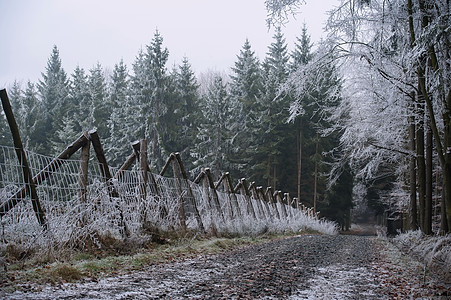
[433, 251]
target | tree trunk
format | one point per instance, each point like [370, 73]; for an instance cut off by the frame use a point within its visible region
[421, 168]
[427, 229]
[316, 177]
[299, 137]
[413, 178]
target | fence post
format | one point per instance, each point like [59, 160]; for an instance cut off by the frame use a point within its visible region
[104, 169]
[289, 207]
[84, 162]
[214, 193]
[143, 178]
[254, 193]
[190, 192]
[182, 215]
[230, 190]
[246, 194]
[20, 152]
[264, 200]
[227, 191]
[278, 196]
[270, 196]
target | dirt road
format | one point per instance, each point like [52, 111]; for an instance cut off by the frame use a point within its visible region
[303, 267]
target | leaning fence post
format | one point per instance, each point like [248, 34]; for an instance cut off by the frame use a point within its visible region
[83, 180]
[143, 180]
[270, 196]
[254, 192]
[176, 170]
[278, 196]
[20, 152]
[264, 200]
[246, 193]
[215, 194]
[231, 191]
[105, 170]
[190, 191]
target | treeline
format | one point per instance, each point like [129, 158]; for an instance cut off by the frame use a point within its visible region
[237, 123]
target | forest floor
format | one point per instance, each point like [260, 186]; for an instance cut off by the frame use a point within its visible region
[300, 267]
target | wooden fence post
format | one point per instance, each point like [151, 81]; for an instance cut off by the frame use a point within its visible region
[254, 193]
[264, 200]
[143, 178]
[270, 196]
[190, 193]
[227, 191]
[105, 170]
[182, 215]
[214, 193]
[278, 196]
[246, 194]
[83, 180]
[287, 200]
[20, 152]
[229, 187]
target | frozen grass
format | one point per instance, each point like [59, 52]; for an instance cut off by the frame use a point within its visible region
[433, 251]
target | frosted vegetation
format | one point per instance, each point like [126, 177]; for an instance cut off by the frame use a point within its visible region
[83, 221]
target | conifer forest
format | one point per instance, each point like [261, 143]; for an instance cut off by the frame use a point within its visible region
[356, 126]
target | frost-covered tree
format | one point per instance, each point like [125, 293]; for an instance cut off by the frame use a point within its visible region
[100, 106]
[122, 121]
[302, 53]
[188, 114]
[214, 137]
[404, 47]
[53, 90]
[149, 85]
[80, 99]
[276, 133]
[245, 92]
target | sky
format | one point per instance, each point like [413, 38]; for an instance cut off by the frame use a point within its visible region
[210, 33]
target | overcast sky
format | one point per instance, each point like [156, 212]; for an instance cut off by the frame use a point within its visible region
[210, 33]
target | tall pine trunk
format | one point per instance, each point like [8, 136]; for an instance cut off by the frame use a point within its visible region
[299, 143]
[421, 166]
[413, 178]
[428, 199]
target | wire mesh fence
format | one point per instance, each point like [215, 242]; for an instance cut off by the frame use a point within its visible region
[76, 216]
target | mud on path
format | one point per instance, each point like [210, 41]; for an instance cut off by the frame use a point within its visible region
[303, 267]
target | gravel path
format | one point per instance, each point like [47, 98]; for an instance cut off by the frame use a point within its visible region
[303, 267]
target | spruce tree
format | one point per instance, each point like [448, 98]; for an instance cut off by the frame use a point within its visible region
[213, 140]
[100, 108]
[302, 53]
[122, 122]
[245, 91]
[54, 91]
[79, 94]
[188, 112]
[277, 136]
[149, 86]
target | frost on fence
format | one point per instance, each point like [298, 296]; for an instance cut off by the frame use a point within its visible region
[77, 217]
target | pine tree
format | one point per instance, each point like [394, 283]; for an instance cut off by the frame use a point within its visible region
[302, 53]
[121, 123]
[188, 112]
[246, 88]
[79, 94]
[277, 136]
[213, 141]
[53, 90]
[100, 108]
[31, 110]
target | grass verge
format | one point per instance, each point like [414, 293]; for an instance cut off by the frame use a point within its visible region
[92, 265]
